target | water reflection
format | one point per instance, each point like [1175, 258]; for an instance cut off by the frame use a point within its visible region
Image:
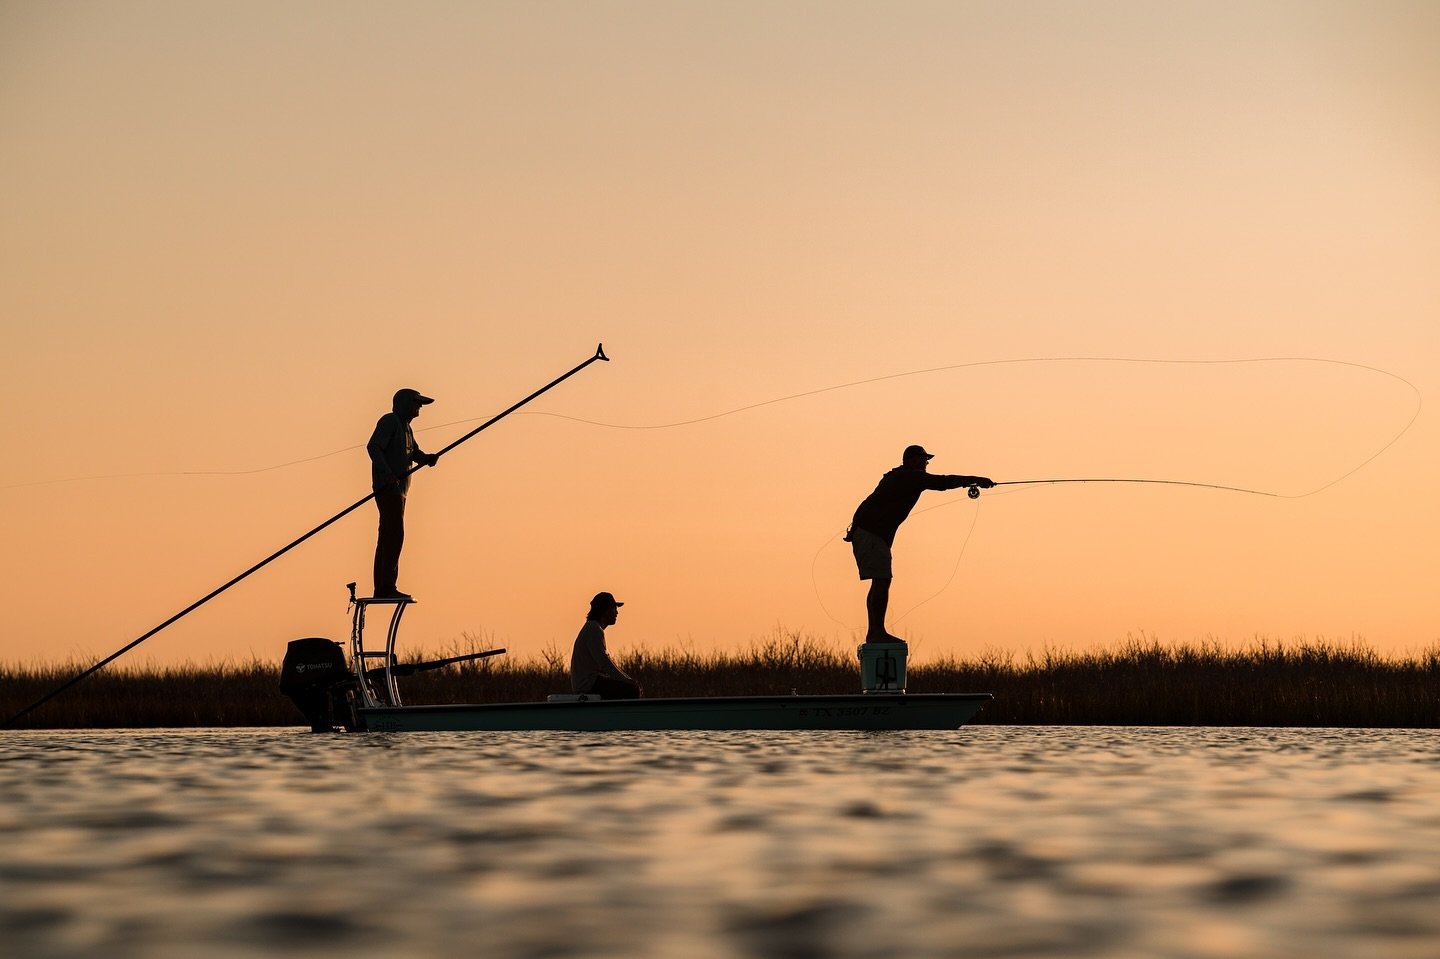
[989, 841]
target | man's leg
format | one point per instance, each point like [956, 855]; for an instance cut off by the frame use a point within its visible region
[876, 604]
[873, 559]
[389, 542]
[607, 688]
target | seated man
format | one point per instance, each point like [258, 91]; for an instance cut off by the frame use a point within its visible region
[591, 668]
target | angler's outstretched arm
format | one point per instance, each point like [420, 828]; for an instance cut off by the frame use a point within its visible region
[951, 481]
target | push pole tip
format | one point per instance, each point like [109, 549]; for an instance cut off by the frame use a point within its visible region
[600, 353]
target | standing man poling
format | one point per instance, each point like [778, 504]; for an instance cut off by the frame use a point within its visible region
[392, 451]
[872, 531]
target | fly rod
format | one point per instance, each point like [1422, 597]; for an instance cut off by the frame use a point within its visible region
[410, 669]
[599, 355]
[974, 492]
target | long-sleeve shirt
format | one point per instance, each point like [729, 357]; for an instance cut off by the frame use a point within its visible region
[591, 659]
[392, 450]
[899, 490]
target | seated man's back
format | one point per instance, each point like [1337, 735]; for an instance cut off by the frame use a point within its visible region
[591, 668]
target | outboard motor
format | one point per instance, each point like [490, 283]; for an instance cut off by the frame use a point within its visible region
[315, 678]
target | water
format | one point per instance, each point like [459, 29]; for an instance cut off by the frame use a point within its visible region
[989, 841]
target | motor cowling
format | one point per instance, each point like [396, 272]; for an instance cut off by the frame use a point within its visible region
[314, 675]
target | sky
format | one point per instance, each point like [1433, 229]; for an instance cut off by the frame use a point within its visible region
[230, 231]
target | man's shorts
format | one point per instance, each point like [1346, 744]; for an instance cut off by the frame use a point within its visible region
[872, 554]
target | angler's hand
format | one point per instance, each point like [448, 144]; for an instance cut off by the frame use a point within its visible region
[429, 459]
[984, 482]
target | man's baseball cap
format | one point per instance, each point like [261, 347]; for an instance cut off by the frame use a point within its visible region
[604, 601]
[913, 453]
[412, 396]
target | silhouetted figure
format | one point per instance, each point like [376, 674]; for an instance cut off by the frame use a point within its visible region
[591, 668]
[392, 451]
[872, 531]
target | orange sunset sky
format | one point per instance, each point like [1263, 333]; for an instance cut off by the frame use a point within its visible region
[232, 229]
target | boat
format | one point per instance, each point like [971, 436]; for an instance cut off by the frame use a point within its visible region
[361, 697]
[858, 712]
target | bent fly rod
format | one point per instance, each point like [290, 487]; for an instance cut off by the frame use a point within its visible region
[599, 355]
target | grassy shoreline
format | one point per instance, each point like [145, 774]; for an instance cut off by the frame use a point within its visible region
[1137, 682]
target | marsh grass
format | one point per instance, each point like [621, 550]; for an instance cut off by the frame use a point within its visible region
[1139, 681]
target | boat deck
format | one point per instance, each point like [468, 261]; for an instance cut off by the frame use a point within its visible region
[853, 711]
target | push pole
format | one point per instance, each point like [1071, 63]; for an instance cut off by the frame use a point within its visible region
[599, 355]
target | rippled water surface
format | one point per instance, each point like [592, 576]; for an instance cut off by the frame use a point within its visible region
[989, 841]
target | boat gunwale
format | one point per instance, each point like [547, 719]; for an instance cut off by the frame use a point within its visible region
[889, 699]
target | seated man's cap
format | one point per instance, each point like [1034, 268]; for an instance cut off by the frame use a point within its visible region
[916, 453]
[413, 396]
[603, 600]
